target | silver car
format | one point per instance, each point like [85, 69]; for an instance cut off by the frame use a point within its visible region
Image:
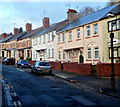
[41, 67]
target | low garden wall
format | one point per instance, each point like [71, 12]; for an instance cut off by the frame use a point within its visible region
[58, 65]
[104, 69]
[80, 68]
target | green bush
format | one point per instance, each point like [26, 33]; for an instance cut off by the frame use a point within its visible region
[29, 58]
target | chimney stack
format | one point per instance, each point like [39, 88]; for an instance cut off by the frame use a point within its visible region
[4, 35]
[46, 22]
[16, 31]
[71, 15]
[28, 27]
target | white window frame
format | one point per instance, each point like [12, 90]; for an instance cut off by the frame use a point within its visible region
[63, 37]
[49, 53]
[40, 40]
[70, 35]
[48, 37]
[96, 49]
[53, 36]
[59, 38]
[89, 51]
[69, 54]
[59, 55]
[52, 52]
[78, 33]
[95, 29]
[88, 31]
[63, 54]
[43, 38]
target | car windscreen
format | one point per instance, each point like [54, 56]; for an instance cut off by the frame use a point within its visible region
[10, 59]
[44, 64]
[24, 61]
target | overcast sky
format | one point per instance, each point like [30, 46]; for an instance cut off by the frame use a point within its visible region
[17, 14]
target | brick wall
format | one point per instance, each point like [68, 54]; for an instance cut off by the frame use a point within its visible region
[58, 65]
[52, 64]
[83, 69]
[104, 69]
[31, 62]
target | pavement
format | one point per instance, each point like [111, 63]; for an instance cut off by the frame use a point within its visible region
[9, 96]
[91, 83]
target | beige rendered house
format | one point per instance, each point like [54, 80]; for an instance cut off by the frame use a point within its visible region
[86, 39]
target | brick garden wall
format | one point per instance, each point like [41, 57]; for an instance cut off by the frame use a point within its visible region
[52, 64]
[31, 62]
[104, 69]
[83, 69]
[58, 65]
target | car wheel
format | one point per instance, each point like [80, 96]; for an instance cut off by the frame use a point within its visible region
[17, 66]
[50, 72]
[20, 66]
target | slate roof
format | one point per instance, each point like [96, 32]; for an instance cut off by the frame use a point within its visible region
[31, 33]
[51, 28]
[92, 17]
[16, 37]
[6, 39]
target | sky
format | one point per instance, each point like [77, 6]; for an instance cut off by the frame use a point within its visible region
[16, 13]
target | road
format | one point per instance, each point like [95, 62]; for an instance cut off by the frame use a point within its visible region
[48, 90]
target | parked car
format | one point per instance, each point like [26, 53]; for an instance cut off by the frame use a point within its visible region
[41, 67]
[8, 61]
[23, 63]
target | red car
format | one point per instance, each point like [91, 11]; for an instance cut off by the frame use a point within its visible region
[8, 61]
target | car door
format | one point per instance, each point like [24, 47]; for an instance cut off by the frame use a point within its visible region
[34, 66]
[19, 63]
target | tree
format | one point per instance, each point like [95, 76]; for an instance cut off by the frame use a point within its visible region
[11, 33]
[20, 30]
[112, 2]
[87, 10]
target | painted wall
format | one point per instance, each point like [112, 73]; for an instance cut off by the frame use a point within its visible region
[41, 48]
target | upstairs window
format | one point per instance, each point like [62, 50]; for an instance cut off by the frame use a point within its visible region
[63, 37]
[95, 29]
[118, 24]
[114, 25]
[40, 40]
[36, 41]
[48, 37]
[59, 38]
[44, 39]
[53, 36]
[88, 31]
[70, 35]
[78, 33]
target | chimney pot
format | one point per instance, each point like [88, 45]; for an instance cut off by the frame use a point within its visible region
[16, 31]
[46, 22]
[71, 15]
[28, 27]
[4, 35]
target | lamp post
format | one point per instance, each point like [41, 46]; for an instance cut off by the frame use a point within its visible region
[112, 54]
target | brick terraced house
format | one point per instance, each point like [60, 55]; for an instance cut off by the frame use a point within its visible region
[76, 39]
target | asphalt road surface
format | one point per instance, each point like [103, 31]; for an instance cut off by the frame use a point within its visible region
[48, 90]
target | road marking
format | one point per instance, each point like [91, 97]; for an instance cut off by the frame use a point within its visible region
[83, 100]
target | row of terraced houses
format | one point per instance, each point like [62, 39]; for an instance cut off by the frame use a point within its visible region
[75, 39]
